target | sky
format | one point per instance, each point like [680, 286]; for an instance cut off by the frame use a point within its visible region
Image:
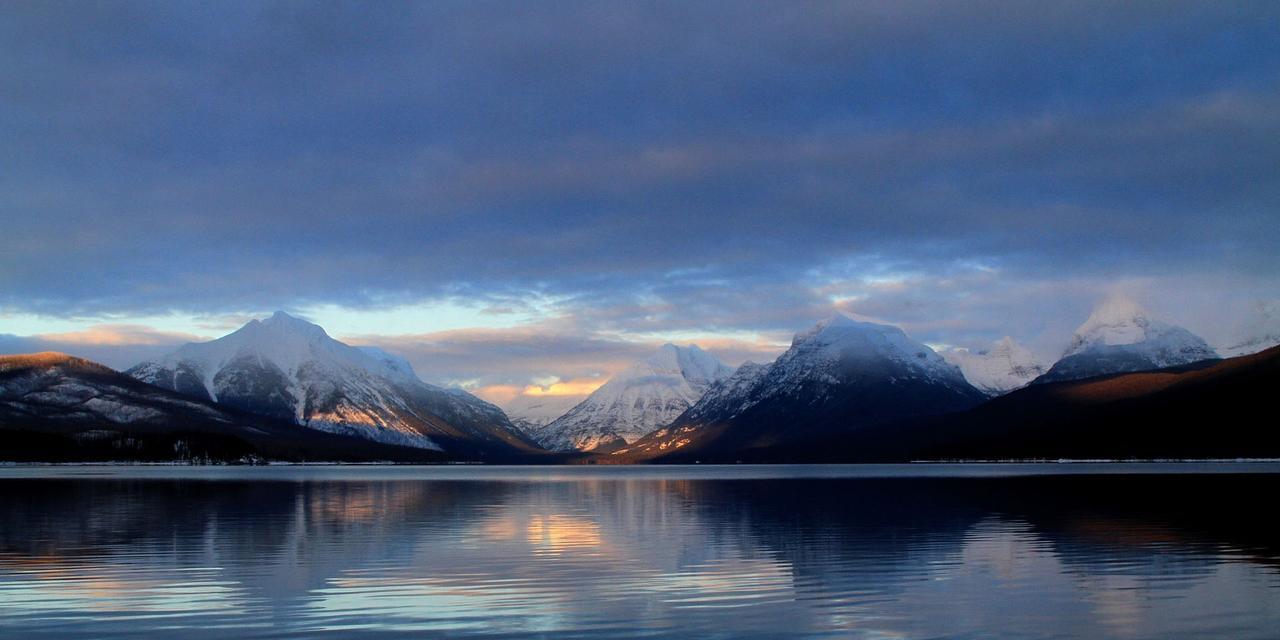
[523, 195]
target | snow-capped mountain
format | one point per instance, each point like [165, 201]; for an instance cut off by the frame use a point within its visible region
[1120, 337]
[840, 375]
[287, 368]
[1258, 332]
[647, 395]
[531, 413]
[998, 369]
[54, 407]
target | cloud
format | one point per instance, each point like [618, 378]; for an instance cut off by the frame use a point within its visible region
[539, 360]
[118, 346]
[119, 335]
[566, 393]
[580, 387]
[636, 173]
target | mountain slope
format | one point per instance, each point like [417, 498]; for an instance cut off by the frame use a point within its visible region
[290, 369]
[531, 413]
[647, 395]
[1120, 337]
[841, 375]
[998, 369]
[1220, 409]
[54, 407]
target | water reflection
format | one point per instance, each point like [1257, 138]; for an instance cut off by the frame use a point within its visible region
[1090, 556]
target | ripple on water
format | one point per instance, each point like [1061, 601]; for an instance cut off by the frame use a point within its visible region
[646, 556]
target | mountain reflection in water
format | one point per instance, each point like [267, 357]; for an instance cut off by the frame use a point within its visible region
[617, 555]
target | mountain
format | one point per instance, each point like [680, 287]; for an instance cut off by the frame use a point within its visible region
[55, 408]
[647, 395]
[1120, 337]
[998, 369]
[530, 413]
[1260, 331]
[841, 375]
[1207, 410]
[290, 369]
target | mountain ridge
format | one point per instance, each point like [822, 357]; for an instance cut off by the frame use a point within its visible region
[59, 408]
[1119, 336]
[290, 369]
[839, 374]
[1002, 367]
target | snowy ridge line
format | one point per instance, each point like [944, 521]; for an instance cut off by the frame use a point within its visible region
[287, 368]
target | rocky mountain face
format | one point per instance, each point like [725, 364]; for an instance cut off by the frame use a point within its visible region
[1120, 337]
[290, 369]
[645, 396]
[840, 375]
[998, 369]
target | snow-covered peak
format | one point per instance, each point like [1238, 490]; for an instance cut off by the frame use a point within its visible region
[1121, 322]
[287, 368]
[832, 324]
[647, 395]
[998, 369]
[281, 323]
[843, 339]
[840, 374]
[1260, 330]
[288, 343]
[1120, 337]
[1116, 321]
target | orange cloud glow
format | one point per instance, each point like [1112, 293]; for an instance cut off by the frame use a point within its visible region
[578, 387]
[120, 335]
[504, 393]
[499, 394]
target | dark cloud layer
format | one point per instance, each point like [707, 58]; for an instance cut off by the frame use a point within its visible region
[678, 166]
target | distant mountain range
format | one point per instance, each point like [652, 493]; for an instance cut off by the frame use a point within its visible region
[846, 390]
[1210, 409]
[841, 375]
[647, 395]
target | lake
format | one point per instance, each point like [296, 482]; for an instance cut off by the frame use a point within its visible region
[906, 551]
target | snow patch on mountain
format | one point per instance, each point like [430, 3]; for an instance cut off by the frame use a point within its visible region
[998, 369]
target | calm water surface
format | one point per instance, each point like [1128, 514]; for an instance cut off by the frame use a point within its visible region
[972, 551]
